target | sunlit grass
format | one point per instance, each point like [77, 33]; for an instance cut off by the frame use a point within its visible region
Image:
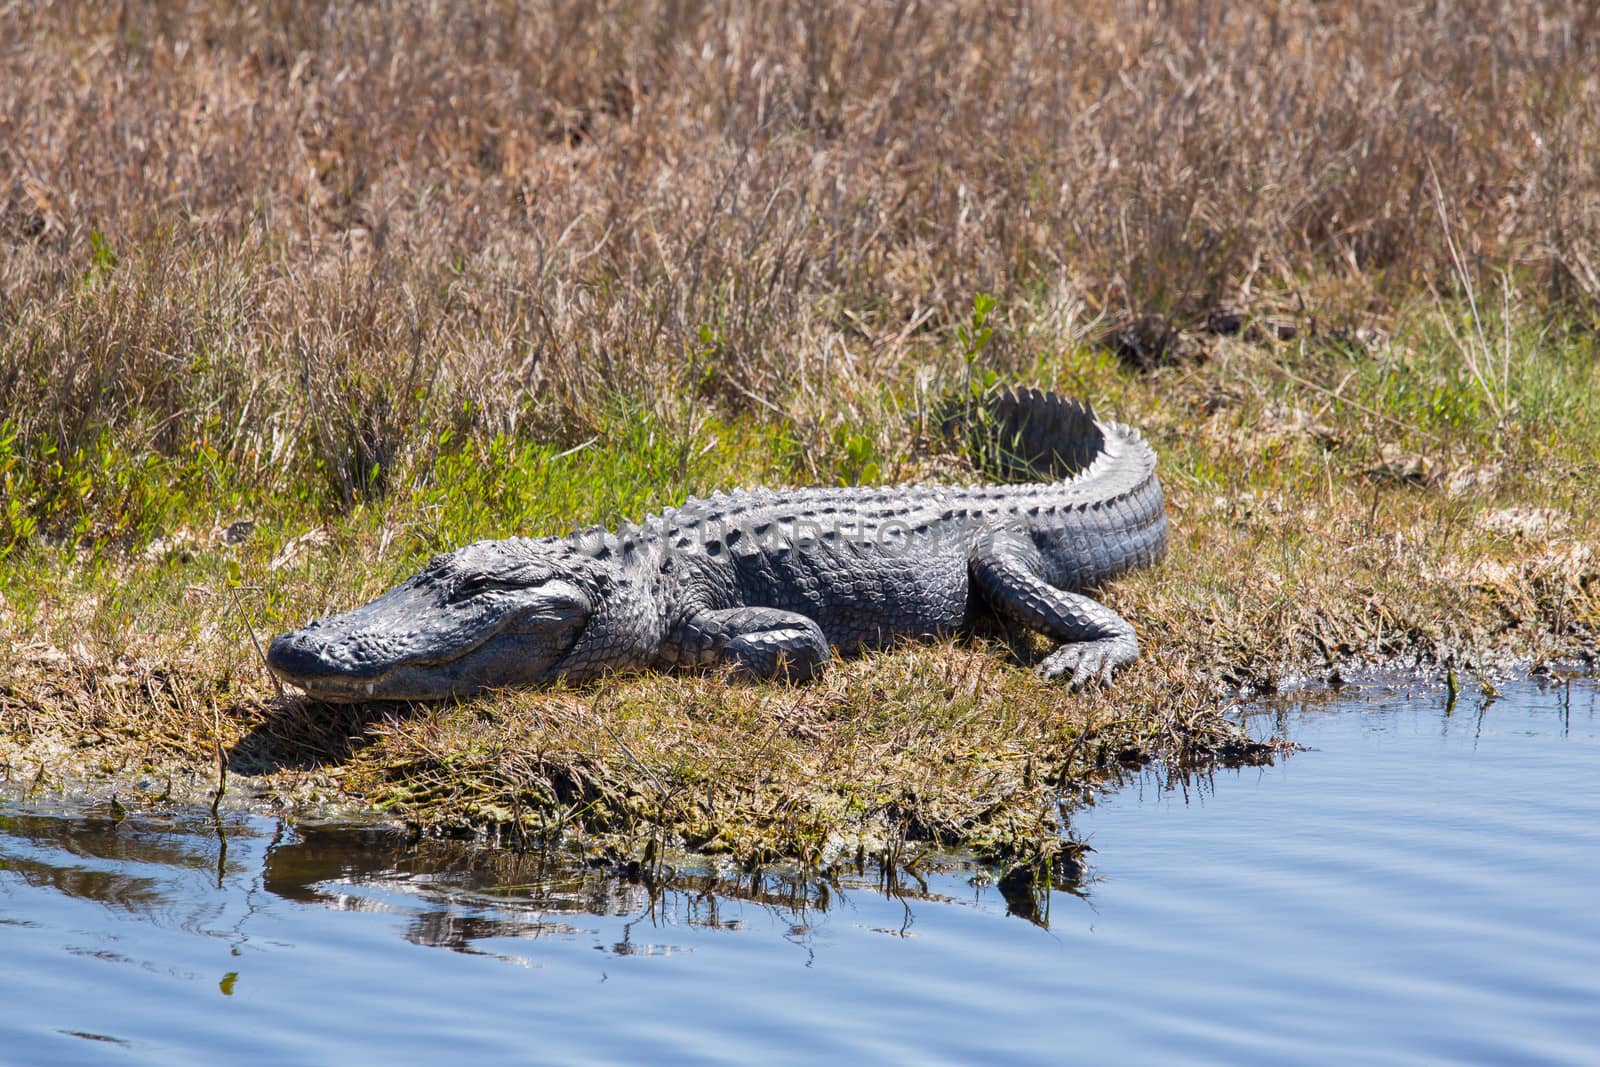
[293, 298]
[1331, 504]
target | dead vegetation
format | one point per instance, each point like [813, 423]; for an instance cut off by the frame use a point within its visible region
[333, 224]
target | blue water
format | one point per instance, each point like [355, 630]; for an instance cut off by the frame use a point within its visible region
[1416, 888]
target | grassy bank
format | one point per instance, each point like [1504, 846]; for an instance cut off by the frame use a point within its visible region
[291, 298]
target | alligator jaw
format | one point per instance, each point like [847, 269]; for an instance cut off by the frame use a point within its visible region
[301, 659]
[386, 650]
[309, 660]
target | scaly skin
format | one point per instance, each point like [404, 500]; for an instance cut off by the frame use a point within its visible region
[768, 582]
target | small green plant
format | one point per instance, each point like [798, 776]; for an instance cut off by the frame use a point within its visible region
[860, 465]
[102, 259]
[975, 336]
[17, 523]
[973, 412]
[704, 360]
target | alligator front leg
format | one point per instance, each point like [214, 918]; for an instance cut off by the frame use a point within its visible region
[758, 643]
[1097, 641]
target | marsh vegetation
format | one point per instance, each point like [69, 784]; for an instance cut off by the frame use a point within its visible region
[294, 295]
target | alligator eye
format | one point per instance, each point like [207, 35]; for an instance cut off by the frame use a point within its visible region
[473, 584]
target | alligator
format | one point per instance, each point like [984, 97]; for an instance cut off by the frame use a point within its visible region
[769, 583]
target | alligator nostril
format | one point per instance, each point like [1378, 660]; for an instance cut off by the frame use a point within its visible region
[295, 655]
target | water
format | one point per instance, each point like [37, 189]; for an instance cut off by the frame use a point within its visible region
[1416, 888]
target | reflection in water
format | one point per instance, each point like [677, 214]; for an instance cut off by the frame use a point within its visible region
[158, 867]
[181, 871]
[469, 894]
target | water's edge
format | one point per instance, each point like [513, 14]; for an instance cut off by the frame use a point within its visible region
[1413, 885]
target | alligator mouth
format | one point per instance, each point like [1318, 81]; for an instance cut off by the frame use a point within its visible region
[303, 659]
[320, 659]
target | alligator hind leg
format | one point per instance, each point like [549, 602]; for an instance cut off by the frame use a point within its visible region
[1096, 640]
[759, 643]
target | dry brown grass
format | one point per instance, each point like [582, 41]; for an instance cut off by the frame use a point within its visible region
[331, 217]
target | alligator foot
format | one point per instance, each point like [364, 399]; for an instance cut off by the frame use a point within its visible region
[760, 644]
[1084, 662]
[1096, 640]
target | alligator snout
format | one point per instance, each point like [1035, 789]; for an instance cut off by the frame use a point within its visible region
[298, 654]
[308, 659]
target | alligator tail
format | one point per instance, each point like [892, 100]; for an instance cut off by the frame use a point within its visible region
[1036, 435]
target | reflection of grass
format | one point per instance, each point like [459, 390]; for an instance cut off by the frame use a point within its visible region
[275, 351]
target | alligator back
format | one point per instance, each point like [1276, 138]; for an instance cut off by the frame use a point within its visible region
[870, 564]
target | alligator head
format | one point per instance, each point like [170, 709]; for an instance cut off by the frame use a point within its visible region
[495, 613]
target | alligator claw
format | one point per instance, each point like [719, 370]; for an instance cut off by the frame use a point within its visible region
[1085, 662]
